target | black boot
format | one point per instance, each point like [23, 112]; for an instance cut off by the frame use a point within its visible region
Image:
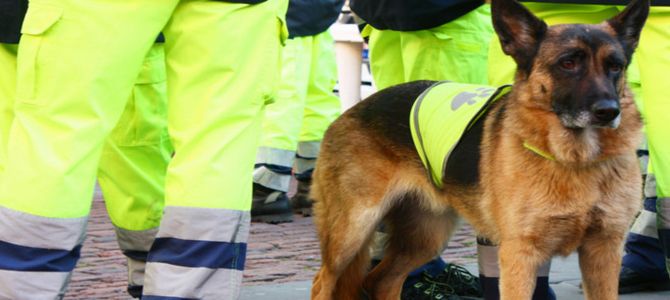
[270, 206]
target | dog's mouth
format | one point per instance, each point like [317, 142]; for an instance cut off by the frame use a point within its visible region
[586, 119]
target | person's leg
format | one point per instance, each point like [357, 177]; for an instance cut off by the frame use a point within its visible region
[643, 265]
[76, 65]
[444, 52]
[222, 66]
[322, 107]
[7, 88]
[133, 165]
[655, 39]
[281, 127]
[385, 58]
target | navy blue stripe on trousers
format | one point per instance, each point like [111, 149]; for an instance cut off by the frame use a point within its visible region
[198, 254]
[22, 258]
[275, 168]
[650, 204]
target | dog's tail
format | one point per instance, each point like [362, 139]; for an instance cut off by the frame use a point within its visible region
[343, 271]
[350, 284]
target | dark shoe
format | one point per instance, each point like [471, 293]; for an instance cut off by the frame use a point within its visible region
[428, 290]
[300, 201]
[462, 281]
[454, 283]
[631, 282]
[270, 206]
[135, 291]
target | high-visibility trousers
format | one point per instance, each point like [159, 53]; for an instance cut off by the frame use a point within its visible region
[77, 63]
[7, 92]
[134, 161]
[134, 164]
[439, 53]
[645, 75]
[302, 111]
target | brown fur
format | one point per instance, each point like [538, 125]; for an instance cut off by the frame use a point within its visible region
[368, 172]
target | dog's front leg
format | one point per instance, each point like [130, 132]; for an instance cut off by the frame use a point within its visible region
[519, 262]
[600, 263]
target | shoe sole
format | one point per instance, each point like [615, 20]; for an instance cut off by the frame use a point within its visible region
[646, 286]
[273, 219]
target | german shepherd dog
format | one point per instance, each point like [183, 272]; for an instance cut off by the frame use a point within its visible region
[569, 99]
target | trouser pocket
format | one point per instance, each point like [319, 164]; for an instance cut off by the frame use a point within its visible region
[39, 22]
[144, 120]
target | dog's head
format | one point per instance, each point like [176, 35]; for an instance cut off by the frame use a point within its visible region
[577, 71]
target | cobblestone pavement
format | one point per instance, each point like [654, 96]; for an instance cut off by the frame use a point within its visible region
[276, 253]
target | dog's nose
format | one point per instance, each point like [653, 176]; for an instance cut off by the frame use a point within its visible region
[605, 110]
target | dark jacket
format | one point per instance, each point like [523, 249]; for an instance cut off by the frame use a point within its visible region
[409, 15]
[11, 18]
[311, 17]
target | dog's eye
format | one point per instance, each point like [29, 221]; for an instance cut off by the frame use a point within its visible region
[568, 64]
[615, 68]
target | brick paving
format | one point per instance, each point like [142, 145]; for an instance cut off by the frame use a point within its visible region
[276, 253]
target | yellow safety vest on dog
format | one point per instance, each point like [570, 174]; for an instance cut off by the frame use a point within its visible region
[442, 114]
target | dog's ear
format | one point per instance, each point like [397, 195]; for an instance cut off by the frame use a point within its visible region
[628, 24]
[520, 31]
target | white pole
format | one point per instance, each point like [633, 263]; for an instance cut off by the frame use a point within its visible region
[348, 54]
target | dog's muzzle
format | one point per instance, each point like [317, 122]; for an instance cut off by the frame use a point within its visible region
[606, 113]
[602, 114]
